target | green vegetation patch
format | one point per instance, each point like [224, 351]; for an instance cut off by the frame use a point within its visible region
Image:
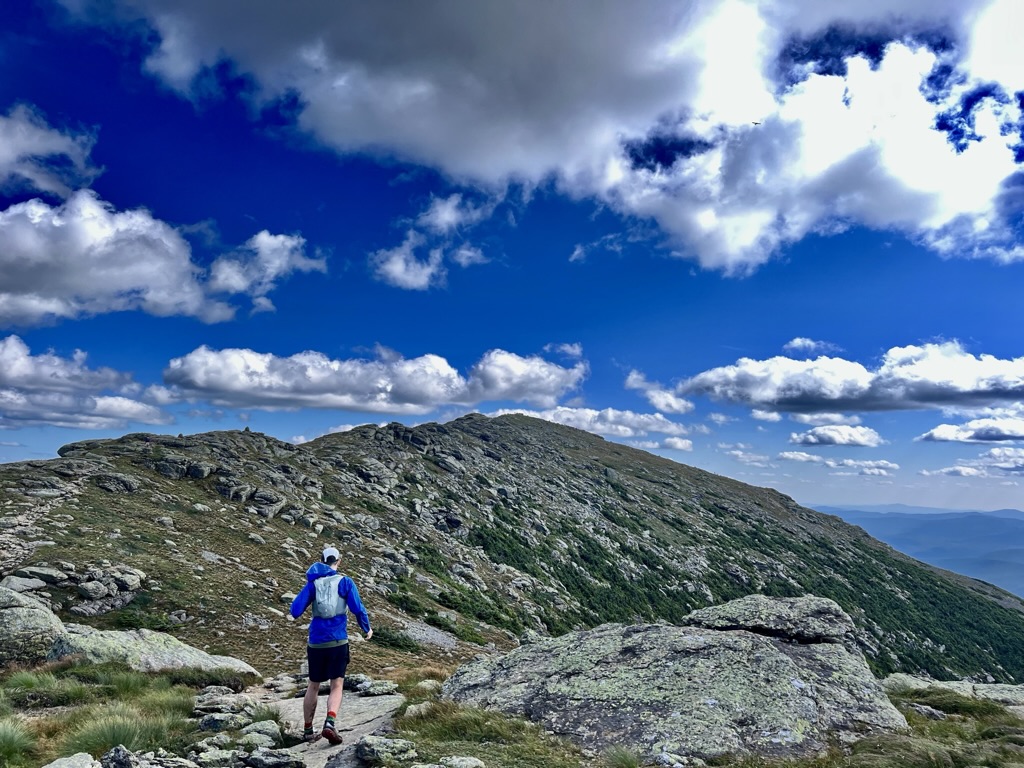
[498, 740]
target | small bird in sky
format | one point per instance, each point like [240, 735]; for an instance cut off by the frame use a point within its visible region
[755, 123]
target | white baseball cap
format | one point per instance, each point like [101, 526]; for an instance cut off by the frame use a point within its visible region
[330, 555]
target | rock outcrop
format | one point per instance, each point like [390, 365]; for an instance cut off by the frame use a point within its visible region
[141, 649]
[783, 686]
[28, 629]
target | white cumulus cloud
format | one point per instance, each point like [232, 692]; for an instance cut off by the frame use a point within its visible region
[260, 263]
[677, 444]
[608, 421]
[838, 435]
[696, 116]
[977, 431]
[658, 396]
[934, 375]
[402, 268]
[389, 384]
[50, 390]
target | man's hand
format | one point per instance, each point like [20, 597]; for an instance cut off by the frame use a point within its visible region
[369, 635]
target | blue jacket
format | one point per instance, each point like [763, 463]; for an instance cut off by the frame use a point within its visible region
[336, 627]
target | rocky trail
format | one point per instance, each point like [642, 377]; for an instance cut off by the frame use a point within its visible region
[357, 717]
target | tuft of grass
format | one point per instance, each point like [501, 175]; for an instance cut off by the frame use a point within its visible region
[27, 680]
[447, 721]
[17, 742]
[263, 712]
[952, 703]
[620, 757]
[135, 731]
[177, 700]
[392, 638]
[6, 707]
[495, 738]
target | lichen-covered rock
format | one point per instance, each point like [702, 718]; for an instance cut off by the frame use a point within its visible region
[223, 703]
[28, 629]
[224, 721]
[688, 691]
[80, 760]
[268, 728]
[377, 749]
[251, 741]
[457, 761]
[219, 758]
[380, 688]
[141, 649]
[274, 758]
[805, 619]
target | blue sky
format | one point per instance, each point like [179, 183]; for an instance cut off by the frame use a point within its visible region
[776, 240]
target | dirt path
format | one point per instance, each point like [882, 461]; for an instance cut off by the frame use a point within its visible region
[358, 716]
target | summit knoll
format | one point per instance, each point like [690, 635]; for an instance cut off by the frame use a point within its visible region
[459, 535]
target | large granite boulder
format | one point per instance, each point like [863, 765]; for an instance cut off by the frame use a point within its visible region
[782, 687]
[27, 629]
[141, 649]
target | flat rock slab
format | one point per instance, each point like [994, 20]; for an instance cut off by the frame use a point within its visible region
[359, 716]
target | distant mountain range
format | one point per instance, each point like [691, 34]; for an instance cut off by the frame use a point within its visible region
[986, 545]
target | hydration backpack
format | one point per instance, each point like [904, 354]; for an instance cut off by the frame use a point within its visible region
[327, 602]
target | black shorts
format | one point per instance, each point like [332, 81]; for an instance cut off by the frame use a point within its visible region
[327, 663]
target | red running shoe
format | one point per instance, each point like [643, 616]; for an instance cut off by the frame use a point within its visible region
[332, 736]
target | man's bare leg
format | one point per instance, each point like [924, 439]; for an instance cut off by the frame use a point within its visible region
[309, 702]
[334, 697]
[330, 731]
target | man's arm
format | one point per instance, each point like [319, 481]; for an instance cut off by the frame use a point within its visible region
[302, 600]
[355, 605]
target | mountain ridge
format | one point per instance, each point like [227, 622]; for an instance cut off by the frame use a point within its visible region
[469, 533]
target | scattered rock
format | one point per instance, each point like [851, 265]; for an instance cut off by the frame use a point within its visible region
[28, 628]
[377, 749]
[117, 483]
[268, 728]
[80, 760]
[49, 575]
[219, 758]
[930, 712]
[224, 721]
[462, 762]
[380, 688]
[92, 590]
[21, 584]
[274, 758]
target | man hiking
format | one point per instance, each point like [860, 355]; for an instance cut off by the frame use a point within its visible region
[332, 597]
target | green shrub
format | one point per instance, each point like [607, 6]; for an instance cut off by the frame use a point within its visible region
[392, 638]
[6, 707]
[17, 743]
[408, 602]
